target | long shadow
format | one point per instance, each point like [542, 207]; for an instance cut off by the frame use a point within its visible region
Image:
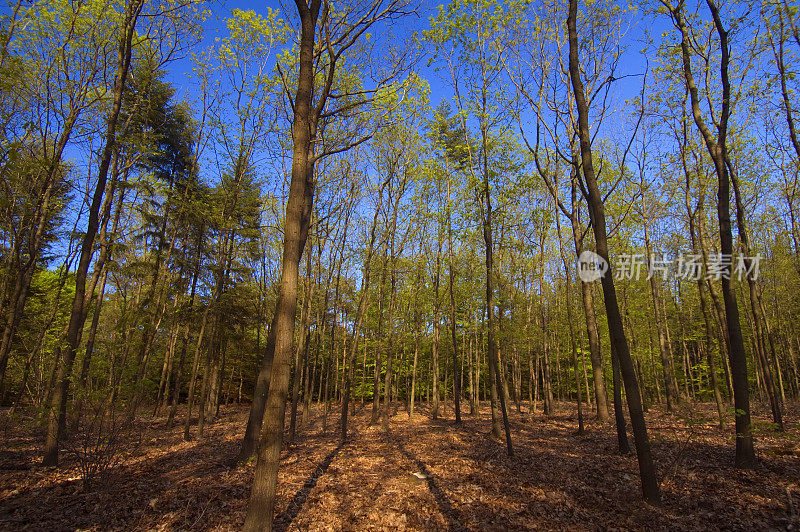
[284, 519]
[168, 469]
[450, 513]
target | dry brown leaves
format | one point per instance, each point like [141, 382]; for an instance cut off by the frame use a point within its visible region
[423, 475]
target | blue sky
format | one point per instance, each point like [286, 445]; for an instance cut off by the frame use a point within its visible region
[215, 26]
[178, 71]
[221, 10]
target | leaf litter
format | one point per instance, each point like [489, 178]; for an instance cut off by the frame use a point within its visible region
[422, 475]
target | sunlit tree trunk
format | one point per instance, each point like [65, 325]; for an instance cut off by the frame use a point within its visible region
[650, 488]
[58, 407]
[717, 149]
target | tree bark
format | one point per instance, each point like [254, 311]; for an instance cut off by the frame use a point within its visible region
[58, 407]
[717, 149]
[619, 343]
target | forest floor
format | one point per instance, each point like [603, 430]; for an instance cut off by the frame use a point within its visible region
[423, 475]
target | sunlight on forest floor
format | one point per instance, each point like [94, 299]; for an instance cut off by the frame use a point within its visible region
[425, 475]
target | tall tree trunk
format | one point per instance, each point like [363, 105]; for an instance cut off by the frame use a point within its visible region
[573, 343]
[58, 408]
[762, 327]
[619, 343]
[376, 370]
[436, 332]
[664, 348]
[717, 149]
[494, 364]
[451, 276]
[100, 274]
[395, 249]
[473, 393]
[595, 355]
[701, 285]
[301, 353]
[362, 308]
[296, 224]
[417, 332]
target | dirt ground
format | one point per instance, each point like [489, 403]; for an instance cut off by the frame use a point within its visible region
[422, 475]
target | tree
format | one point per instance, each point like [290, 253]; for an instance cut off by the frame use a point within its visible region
[717, 149]
[472, 55]
[535, 57]
[58, 409]
[52, 64]
[619, 343]
[341, 30]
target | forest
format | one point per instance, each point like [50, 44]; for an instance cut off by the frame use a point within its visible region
[396, 265]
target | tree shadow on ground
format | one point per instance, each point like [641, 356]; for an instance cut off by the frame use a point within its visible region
[285, 519]
[445, 506]
[466, 481]
[558, 480]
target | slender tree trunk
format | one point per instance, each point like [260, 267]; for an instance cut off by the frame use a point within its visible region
[647, 472]
[701, 285]
[745, 450]
[436, 332]
[595, 355]
[494, 364]
[664, 349]
[301, 353]
[376, 370]
[362, 307]
[299, 205]
[573, 343]
[761, 322]
[473, 408]
[451, 276]
[58, 409]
